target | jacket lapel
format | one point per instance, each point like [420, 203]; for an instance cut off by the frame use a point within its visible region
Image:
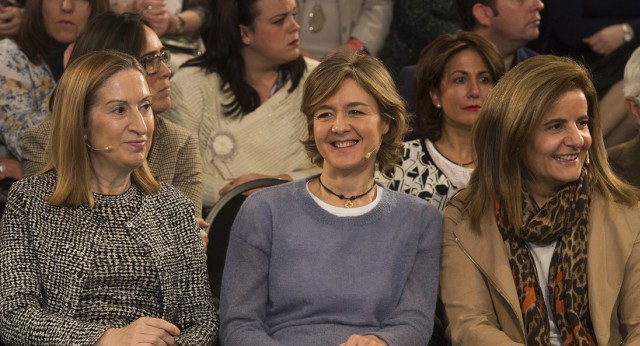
[487, 251]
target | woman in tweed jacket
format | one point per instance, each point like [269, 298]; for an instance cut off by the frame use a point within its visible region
[95, 251]
[174, 156]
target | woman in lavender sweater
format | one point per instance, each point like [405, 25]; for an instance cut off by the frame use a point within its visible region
[336, 259]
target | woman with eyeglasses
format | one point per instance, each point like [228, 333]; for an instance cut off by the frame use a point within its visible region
[94, 251]
[242, 97]
[174, 156]
[30, 65]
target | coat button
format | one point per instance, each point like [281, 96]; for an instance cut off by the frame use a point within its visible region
[129, 224]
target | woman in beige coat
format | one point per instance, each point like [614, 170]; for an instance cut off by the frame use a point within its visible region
[542, 246]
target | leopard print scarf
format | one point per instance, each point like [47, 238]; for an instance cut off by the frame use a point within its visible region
[564, 219]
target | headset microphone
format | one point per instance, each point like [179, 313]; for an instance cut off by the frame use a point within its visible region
[107, 148]
[369, 153]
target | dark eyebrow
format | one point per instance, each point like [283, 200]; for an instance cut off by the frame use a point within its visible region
[284, 13]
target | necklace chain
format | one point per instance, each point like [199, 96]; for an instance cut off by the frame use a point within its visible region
[461, 164]
[349, 200]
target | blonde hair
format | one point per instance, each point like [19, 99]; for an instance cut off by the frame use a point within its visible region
[74, 97]
[507, 121]
[372, 76]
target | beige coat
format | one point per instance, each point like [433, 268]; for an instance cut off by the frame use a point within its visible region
[479, 293]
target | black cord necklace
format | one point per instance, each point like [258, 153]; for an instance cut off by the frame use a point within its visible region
[461, 164]
[349, 200]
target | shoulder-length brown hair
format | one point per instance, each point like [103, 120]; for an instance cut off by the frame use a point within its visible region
[431, 68]
[74, 99]
[507, 122]
[372, 76]
[32, 37]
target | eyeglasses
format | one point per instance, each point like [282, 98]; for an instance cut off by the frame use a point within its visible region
[151, 63]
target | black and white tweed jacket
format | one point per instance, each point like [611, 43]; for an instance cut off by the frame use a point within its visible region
[46, 256]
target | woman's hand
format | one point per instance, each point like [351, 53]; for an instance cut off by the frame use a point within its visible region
[10, 169]
[364, 340]
[155, 11]
[145, 330]
[249, 177]
[607, 40]
[10, 17]
[204, 236]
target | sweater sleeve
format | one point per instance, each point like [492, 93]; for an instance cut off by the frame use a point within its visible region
[24, 317]
[412, 321]
[244, 290]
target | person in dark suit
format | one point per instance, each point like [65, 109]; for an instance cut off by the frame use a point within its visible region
[624, 157]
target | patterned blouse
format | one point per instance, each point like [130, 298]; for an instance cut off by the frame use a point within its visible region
[70, 273]
[419, 175]
[25, 90]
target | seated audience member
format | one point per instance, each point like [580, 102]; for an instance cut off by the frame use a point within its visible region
[242, 97]
[330, 26]
[508, 24]
[454, 75]
[336, 259]
[542, 247]
[94, 250]
[602, 34]
[174, 157]
[415, 24]
[178, 22]
[172, 17]
[625, 158]
[10, 17]
[30, 65]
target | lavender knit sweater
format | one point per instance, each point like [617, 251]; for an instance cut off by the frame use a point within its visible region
[298, 275]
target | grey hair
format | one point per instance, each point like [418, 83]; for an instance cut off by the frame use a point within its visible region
[632, 76]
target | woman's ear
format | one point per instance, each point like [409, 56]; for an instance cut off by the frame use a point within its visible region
[633, 108]
[435, 98]
[245, 35]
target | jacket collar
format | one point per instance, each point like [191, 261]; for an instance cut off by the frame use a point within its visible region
[612, 235]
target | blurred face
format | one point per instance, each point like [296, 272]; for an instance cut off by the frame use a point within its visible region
[559, 146]
[273, 38]
[465, 84]
[121, 118]
[65, 19]
[517, 20]
[348, 128]
[159, 81]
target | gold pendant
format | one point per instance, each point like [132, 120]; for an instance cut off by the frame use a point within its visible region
[316, 18]
[348, 204]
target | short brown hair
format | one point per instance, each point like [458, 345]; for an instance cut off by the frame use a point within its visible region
[431, 68]
[514, 108]
[68, 154]
[371, 75]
